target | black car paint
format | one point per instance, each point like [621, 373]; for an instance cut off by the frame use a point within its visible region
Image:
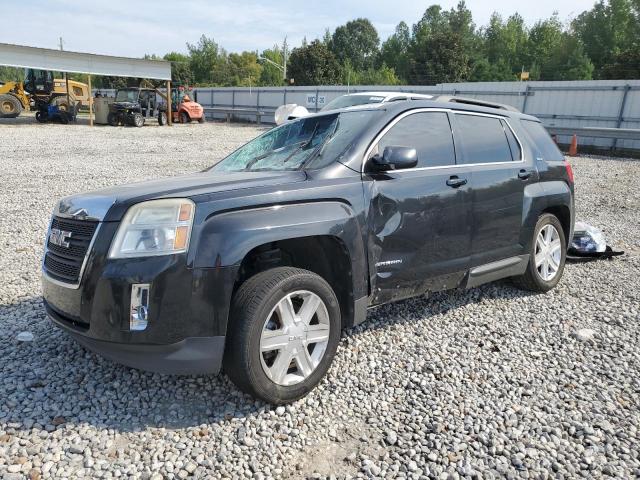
[406, 233]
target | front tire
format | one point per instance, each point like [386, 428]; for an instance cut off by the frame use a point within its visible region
[10, 106]
[184, 117]
[546, 257]
[137, 120]
[283, 335]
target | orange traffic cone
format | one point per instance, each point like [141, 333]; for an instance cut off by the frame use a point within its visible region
[573, 148]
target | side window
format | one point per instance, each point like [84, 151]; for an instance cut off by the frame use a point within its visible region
[428, 132]
[516, 152]
[542, 141]
[483, 139]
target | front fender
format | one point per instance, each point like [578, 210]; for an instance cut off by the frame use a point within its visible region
[224, 239]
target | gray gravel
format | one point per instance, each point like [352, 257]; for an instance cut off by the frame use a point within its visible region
[490, 382]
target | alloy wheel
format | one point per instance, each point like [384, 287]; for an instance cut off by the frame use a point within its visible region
[548, 252]
[294, 338]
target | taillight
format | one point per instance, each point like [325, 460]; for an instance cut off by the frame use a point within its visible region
[569, 171]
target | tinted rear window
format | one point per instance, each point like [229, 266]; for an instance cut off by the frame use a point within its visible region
[483, 139]
[516, 152]
[542, 141]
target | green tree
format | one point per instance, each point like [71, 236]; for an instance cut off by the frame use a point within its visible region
[272, 75]
[244, 69]
[180, 68]
[314, 64]
[567, 61]
[204, 58]
[501, 49]
[441, 50]
[608, 29]
[10, 74]
[395, 51]
[357, 41]
[625, 65]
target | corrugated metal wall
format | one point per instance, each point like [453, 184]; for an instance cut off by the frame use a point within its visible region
[598, 103]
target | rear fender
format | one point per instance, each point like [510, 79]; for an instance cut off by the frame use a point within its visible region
[539, 197]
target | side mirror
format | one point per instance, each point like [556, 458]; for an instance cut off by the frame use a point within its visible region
[395, 158]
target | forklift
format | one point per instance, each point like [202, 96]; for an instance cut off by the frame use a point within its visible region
[183, 108]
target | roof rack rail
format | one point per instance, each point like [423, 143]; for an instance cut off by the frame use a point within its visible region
[473, 101]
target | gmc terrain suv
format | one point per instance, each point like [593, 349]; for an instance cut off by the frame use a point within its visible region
[257, 263]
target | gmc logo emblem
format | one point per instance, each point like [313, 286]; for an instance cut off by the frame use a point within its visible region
[59, 237]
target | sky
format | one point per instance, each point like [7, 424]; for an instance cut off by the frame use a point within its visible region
[134, 28]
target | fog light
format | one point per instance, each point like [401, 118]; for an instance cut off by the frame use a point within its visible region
[139, 317]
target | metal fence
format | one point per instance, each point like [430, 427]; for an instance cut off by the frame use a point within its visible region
[575, 104]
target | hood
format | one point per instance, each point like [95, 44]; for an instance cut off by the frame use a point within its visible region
[124, 104]
[115, 200]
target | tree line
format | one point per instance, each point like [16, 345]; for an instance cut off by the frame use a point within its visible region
[442, 46]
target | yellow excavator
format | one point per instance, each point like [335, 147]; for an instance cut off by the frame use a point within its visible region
[38, 91]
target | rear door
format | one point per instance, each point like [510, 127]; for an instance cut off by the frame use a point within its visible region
[488, 145]
[419, 220]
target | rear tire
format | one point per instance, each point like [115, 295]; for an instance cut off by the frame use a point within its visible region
[546, 259]
[112, 119]
[293, 367]
[10, 106]
[61, 103]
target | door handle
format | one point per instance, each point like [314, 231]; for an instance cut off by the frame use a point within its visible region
[524, 174]
[455, 182]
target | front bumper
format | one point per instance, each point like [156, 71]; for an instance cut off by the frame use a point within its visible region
[194, 355]
[188, 310]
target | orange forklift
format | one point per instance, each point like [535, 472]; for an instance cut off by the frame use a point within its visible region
[184, 109]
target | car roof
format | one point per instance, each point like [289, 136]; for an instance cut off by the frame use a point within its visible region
[389, 94]
[436, 102]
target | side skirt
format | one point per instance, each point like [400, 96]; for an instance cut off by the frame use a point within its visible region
[509, 267]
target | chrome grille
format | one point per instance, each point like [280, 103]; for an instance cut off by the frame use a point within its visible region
[65, 263]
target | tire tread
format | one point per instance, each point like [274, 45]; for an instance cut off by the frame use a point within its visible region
[245, 304]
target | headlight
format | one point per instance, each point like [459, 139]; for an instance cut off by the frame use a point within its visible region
[156, 227]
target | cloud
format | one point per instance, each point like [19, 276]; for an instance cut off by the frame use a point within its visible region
[133, 28]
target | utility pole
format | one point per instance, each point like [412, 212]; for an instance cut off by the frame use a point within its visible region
[284, 56]
[66, 82]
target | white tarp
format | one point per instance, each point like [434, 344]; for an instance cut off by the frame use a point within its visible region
[74, 62]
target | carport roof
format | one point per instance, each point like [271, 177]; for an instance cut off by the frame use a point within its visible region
[75, 62]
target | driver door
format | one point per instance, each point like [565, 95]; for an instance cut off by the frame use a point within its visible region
[419, 218]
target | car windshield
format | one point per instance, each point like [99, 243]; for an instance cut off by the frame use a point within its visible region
[351, 101]
[127, 96]
[310, 142]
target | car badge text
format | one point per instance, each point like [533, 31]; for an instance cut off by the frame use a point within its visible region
[59, 237]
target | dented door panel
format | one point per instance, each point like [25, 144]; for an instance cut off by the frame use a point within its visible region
[420, 232]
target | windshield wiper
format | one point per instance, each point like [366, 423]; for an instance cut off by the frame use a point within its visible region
[258, 158]
[304, 144]
[318, 150]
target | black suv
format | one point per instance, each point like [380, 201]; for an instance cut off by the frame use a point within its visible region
[257, 263]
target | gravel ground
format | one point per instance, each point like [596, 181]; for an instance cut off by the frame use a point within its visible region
[491, 382]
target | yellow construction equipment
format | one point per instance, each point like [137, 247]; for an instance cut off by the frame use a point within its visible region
[38, 91]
